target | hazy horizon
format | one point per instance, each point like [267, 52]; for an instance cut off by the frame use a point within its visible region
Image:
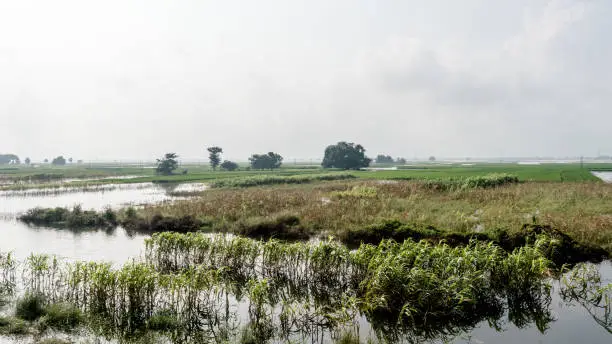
[131, 80]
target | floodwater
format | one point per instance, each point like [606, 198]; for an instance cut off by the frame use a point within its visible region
[114, 246]
[605, 176]
[572, 322]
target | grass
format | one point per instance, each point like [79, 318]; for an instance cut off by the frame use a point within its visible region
[190, 282]
[61, 317]
[424, 171]
[539, 173]
[13, 326]
[74, 218]
[580, 210]
[272, 180]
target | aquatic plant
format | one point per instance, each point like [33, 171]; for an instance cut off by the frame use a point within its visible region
[188, 286]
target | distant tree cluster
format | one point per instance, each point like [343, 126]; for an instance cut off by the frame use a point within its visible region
[229, 165]
[9, 159]
[384, 159]
[400, 161]
[59, 161]
[345, 155]
[268, 161]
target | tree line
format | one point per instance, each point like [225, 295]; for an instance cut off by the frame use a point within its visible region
[343, 155]
[14, 160]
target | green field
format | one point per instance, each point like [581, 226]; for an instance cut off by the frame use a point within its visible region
[37, 177]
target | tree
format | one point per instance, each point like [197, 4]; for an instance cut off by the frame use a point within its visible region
[9, 159]
[345, 155]
[229, 165]
[214, 157]
[70, 160]
[46, 161]
[28, 161]
[401, 161]
[167, 164]
[59, 161]
[432, 158]
[384, 159]
[266, 161]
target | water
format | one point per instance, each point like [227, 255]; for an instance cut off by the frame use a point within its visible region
[605, 176]
[573, 324]
[114, 246]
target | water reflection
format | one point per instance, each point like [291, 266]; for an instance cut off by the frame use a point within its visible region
[108, 245]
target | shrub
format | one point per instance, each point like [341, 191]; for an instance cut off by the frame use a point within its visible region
[30, 307]
[61, 316]
[13, 326]
[284, 227]
[163, 320]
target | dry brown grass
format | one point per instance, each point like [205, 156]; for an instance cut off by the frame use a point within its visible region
[582, 210]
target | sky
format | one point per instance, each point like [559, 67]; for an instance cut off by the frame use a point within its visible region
[134, 79]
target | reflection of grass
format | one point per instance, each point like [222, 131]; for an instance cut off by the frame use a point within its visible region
[585, 286]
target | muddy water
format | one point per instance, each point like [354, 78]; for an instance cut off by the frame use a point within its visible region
[115, 246]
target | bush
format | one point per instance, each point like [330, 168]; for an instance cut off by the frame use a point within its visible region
[75, 218]
[163, 321]
[229, 165]
[285, 227]
[61, 316]
[30, 307]
[483, 182]
[13, 326]
[160, 223]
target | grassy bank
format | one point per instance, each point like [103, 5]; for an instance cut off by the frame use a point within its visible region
[581, 210]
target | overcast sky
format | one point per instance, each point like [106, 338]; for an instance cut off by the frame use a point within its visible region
[133, 79]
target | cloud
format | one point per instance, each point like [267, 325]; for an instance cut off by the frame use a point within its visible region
[449, 78]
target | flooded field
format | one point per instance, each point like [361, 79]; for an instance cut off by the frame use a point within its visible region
[320, 308]
[605, 176]
[114, 245]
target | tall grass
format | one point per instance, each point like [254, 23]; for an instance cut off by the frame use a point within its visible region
[484, 182]
[276, 179]
[580, 210]
[189, 285]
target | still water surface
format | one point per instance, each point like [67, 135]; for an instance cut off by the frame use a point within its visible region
[114, 246]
